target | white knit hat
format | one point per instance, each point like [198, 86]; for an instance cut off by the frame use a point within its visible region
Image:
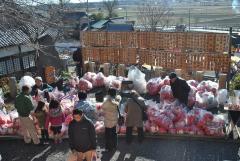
[38, 78]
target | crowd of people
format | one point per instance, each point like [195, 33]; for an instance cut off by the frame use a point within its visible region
[81, 131]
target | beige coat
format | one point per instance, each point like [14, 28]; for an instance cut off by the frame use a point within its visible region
[110, 113]
[134, 113]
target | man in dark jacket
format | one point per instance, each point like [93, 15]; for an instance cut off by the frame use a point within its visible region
[82, 137]
[180, 88]
[40, 86]
[24, 107]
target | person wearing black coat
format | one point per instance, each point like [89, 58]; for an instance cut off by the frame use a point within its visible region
[180, 88]
[82, 137]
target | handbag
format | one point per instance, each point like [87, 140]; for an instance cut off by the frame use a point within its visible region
[120, 118]
[143, 109]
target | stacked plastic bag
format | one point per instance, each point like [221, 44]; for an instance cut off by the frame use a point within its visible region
[166, 93]
[84, 85]
[174, 119]
[9, 124]
[153, 86]
[114, 82]
[99, 80]
[89, 76]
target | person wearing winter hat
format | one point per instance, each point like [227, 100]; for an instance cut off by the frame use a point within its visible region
[180, 88]
[40, 86]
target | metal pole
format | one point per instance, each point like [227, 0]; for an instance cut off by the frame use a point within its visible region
[230, 42]
[229, 54]
[189, 20]
[126, 13]
[88, 17]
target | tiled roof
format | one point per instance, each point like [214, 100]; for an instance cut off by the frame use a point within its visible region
[13, 37]
[17, 36]
[99, 24]
[112, 27]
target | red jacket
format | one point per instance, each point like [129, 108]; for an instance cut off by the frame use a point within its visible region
[55, 117]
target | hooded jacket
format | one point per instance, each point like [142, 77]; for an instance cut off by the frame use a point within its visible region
[82, 135]
[55, 117]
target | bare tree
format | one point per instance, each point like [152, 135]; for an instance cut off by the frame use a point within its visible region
[30, 14]
[154, 14]
[34, 18]
[110, 5]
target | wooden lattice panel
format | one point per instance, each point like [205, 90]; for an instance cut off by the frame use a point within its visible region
[211, 41]
[141, 56]
[152, 40]
[222, 42]
[181, 40]
[205, 42]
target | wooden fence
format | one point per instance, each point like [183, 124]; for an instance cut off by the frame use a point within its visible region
[196, 41]
[192, 61]
[110, 55]
[186, 61]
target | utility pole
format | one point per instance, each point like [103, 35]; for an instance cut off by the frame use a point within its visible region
[189, 16]
[88, 17]
[126, 13]
[189, 19]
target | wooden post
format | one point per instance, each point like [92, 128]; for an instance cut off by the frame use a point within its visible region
[91, 67]
[106, 69]
[158, 72]
[13, 87]
[121, 70]
[199, 76]
[178, 72]
[222, 80]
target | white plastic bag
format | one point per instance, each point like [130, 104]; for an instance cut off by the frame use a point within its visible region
[13, 114]
[206, 100]
[138, 78]
[237, 96]
[1, 102]
[222, 96]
